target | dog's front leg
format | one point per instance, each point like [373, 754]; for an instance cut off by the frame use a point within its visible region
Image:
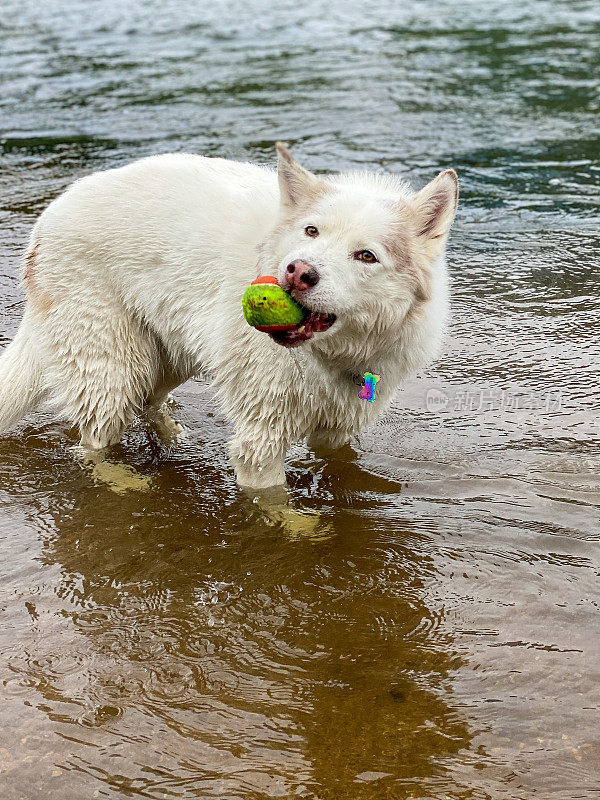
[250, 475]
[257, 465]
[260, 472]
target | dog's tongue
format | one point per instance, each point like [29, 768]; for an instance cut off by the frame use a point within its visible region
[314, 323]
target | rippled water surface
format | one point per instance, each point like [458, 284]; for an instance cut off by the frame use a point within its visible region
[437, 635]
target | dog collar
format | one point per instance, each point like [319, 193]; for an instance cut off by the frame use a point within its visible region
[357, 378]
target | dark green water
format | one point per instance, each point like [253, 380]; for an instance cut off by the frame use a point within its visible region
[440, 636]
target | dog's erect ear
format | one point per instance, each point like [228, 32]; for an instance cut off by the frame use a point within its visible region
[435, 205]
[295, 182]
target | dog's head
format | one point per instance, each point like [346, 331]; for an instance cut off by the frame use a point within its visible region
[357, 245]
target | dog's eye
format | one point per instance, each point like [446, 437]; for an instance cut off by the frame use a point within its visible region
[310, 230]
[366, 255]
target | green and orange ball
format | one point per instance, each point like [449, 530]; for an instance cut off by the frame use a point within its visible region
[269, 308]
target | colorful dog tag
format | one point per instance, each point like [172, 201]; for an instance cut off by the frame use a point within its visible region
[368, 390]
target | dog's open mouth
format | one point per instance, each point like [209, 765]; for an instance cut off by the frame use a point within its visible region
[315, 322]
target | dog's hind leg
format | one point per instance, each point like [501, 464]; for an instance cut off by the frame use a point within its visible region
[101, 370]
[21, 377]
[157, 407]
[168, 429]
[102, 364]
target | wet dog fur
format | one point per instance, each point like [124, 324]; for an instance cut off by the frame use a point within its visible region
[134, 278]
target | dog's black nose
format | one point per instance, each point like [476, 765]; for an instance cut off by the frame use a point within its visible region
[301, 275]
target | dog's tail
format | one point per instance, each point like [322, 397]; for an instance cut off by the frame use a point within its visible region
[21, 388]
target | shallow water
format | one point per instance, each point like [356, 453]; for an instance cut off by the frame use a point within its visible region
[437, 634]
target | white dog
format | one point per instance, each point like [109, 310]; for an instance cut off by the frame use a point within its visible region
[134, 279]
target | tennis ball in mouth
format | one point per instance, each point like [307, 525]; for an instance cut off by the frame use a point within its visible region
[267, 307]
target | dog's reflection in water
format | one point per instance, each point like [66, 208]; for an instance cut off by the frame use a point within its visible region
[112, 473]
[279, 509]
[275, 504]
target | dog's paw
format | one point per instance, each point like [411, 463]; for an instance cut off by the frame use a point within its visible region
[175, 430]
[169, 431]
